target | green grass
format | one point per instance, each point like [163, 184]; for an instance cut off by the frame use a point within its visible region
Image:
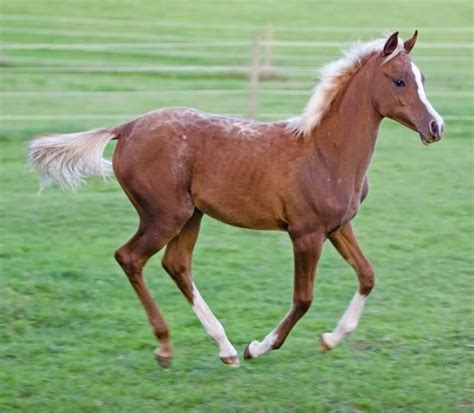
[73, 336]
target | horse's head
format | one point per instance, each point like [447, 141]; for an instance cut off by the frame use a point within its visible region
[399, 93]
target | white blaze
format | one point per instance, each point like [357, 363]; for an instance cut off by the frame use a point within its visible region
[424, 99]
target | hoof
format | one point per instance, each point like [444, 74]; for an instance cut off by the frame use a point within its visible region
[323, 347]
[231, 361]
[247, 355]
[163, 361]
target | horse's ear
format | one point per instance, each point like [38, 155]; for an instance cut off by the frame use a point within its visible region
[408, 44]
[391, 44]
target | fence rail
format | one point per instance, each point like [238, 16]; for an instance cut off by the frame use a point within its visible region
[198, 69]
[265, 46]
[105, 116]
[210, 44]
[174, 92]
[217, 26]
[184, 54]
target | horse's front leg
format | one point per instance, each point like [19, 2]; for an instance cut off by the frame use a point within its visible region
[307, 250]
[345, 242]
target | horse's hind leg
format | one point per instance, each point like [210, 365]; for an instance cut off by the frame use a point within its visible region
[345, 242]
[132, 257]
[177, 262]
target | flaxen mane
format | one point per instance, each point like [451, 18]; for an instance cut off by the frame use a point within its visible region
[334, 78]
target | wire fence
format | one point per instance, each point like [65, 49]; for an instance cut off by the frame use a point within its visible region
[216, 26]
[451, 60]
[124, 117]
[177, 92]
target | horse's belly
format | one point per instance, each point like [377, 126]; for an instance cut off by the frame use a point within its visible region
[240, 213]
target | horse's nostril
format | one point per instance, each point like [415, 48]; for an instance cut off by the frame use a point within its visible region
[434, 129]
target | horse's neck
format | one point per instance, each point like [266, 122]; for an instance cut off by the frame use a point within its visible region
[346, 136]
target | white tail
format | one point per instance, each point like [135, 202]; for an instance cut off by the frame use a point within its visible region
[67, 159]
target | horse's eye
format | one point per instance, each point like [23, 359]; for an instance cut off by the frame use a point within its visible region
[399, 83]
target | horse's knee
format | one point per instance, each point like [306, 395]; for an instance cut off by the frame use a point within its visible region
[179, 270]
[366, 279]
[302, 305]
[120, 256]
[174, 267]
[131, 266]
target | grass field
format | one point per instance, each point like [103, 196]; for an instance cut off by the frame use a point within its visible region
[73, 337]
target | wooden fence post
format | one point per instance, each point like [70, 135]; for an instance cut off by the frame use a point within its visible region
[254, 76]
[267, 56]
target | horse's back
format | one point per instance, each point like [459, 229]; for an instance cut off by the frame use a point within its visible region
[231, 168]
[188, 138]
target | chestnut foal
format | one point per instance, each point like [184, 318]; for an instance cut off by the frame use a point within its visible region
[306, 176]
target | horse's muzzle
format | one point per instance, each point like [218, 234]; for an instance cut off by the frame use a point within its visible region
[435, 134]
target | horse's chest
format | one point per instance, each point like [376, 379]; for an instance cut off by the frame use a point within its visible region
[353, 207]
[337, 210]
